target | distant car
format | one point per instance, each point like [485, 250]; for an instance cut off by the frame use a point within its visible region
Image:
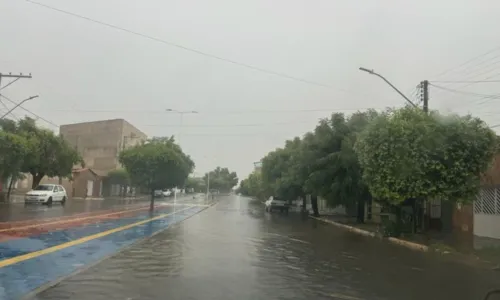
[46, 194]
[276, 204]
[158, 193]
[167, 193]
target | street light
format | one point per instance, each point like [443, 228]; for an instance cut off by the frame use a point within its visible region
[387, 81]
[17, 105]
[181, 113]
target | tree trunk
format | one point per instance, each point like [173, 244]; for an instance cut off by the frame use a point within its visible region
[152, 203]
[314, 204]
[360, 218]
[370, 208]
[304, 203]
[399, 221]
[10, 187]
[37, 177]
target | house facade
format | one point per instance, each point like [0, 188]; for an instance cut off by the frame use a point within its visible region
[84, 183]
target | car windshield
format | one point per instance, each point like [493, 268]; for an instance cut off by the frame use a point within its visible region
[44, 187]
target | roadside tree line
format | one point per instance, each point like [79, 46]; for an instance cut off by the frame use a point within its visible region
[394, 157]
[27, 148]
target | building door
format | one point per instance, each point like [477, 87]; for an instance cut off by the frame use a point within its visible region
[90, 188]
[100, 188]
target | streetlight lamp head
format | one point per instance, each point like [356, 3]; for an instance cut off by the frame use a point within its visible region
[168, 109]
[194, 112]
[366, 70]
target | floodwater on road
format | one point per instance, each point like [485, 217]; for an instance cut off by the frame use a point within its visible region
[234, 250]
[10, 212]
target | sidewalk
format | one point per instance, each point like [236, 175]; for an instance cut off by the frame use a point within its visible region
[489, 258]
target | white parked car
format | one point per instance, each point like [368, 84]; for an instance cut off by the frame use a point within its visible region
[167, 193]
[276, 204]
[46, 194]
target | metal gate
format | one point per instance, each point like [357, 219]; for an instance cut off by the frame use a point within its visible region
[487, 213]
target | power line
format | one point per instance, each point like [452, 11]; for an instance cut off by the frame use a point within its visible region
[29, 111]
[1, 88]
[248, 66]
[7, 109]
[467, 62]
[225, 111]
[465, 93]
[234, 125]
[472, 82]
[483, 79]
[474, 70]
[466, 81]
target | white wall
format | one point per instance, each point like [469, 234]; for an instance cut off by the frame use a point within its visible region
[487, 225]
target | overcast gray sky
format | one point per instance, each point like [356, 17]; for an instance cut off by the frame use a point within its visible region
[85, 72]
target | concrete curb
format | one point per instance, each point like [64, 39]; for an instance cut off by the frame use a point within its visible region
[400, 242]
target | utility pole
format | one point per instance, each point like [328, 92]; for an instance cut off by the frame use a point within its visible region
[425, 94]
[208, 185]
[10, 75]
[16, 78]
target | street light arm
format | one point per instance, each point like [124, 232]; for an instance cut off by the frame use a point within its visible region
[389, 83]
[17, 105]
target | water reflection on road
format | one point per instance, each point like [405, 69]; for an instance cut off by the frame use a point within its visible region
[13, 212]
[236, 251]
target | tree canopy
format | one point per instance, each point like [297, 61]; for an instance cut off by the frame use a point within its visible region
[196, 183]
[222, 179]
[38, 151]
[391, 156]
[157, 164]
[407, 153]
[119, 176]
[252, 186]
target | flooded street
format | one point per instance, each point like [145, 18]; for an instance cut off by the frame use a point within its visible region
[234, 250]
[10, 212]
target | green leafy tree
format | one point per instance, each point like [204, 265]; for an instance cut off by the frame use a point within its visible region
[121, 177]
[335, 173]
[47, 155]
[281, 172]
[252, 186]
[408, 154]
[13, 149]
[222, 179]
[197, 184]
[158, 164]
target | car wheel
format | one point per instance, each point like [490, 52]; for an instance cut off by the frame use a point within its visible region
[63, 200]
[49, 202]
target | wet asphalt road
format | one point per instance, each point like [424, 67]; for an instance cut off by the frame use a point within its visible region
[19, 212]
[234, 250]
